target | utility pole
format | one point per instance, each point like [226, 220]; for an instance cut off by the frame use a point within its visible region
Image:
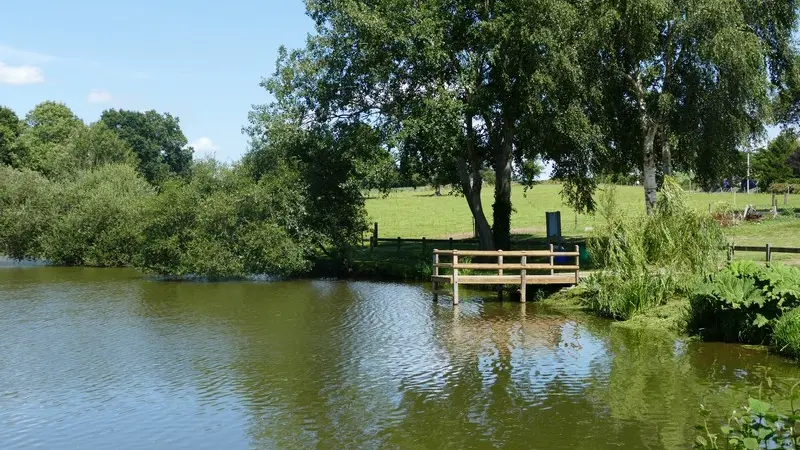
[748, 170]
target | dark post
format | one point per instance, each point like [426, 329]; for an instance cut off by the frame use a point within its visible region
[451, 243]
[375, 233]
[769, 253]
[398, 243]
[424, 245]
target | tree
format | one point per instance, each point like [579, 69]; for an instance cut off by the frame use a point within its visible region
[10, 129]
[97, 145]
[48, 128]
[772, 164]
[156, 139]
[463, 84]
[690, 78]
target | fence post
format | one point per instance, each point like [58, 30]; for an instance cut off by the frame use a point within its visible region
[424, 245]
[523, 279]
[435, 274]
[455, 277]
[375, 233]
[552, 261]
[769, 253]
[451, 243]
[500, 273]
[578, 264]
[730, 252]
[774, 201]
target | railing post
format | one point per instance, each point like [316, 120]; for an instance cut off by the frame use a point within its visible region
[769, 253]
[455, 277]
[451, 243]
[552, 260]
[578, 264]
[523, 279]
[435, 271]
[375, 233]
[500, 273]
[730, 252]
[399, 242]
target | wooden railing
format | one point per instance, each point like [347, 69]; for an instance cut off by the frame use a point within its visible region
[524, 272]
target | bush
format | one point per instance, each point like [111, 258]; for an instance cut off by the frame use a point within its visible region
[222, 224]
[646, 260]
[786, 334]
[743, 302]
[100, 218]
[28, 209]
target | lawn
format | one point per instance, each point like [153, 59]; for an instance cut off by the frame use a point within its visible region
[418, 213]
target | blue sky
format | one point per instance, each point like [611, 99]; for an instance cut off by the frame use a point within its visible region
[199, 60]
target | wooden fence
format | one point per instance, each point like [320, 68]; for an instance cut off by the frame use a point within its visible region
[528, 273]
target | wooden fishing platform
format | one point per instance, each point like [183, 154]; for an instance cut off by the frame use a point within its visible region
[508, 267]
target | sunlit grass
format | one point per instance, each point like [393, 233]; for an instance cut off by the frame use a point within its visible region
[418, 213]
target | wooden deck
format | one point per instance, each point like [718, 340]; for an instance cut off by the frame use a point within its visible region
[518, 271]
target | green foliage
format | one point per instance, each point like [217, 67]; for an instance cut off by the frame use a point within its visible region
[221, 224]
[97, 145]
[45, 138]
[100, 218]
[744, 301]
[28, 208]
[10, 129]
[786, 333]
[770, 421]
[156, 139]
[771, 165]
[645, 260]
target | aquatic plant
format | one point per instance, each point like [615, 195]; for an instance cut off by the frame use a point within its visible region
[646, 260]
[744, 301]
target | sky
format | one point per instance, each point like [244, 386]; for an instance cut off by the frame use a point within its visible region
[201, 60]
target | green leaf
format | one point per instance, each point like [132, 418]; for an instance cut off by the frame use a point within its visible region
[760, 321]
[750, 443]
[759, 407]
[726, 430]
[702, 441]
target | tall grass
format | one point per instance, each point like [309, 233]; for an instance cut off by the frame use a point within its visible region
[646, 260]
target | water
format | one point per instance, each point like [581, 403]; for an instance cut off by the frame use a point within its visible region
[93, 358]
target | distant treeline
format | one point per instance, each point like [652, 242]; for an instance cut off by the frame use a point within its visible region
[125, 191]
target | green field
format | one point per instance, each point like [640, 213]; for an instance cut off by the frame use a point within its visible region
[418, 213]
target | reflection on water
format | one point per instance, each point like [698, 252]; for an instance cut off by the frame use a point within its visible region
[95, 358]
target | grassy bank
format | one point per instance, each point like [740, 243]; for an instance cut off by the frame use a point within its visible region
[419, 213]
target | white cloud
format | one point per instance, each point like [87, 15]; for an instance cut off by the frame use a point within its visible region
[99, 96]
[204, 146]
[19, 75]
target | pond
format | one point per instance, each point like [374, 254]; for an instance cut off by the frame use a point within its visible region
[104, 358]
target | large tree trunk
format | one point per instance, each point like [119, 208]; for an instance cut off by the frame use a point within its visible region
[471, 184]
[502, 190]
[649, 167]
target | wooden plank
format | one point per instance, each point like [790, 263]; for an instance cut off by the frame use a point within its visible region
[551, 279]
[442, 278]
[566, 279]
[493, 266]
[489, 279]
[529, 253]
[785, 250]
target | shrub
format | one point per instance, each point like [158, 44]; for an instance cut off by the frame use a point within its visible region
[222, 224]
[100, 218]
[646, 260]
[786, 334]
[743, 302]
[28, 209]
